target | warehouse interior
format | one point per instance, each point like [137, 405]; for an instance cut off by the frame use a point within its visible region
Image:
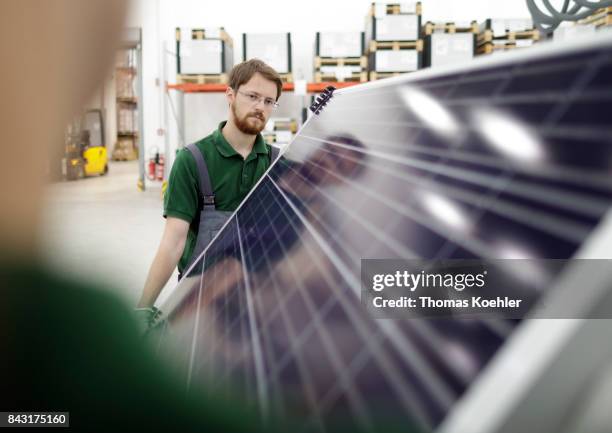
[472, 131]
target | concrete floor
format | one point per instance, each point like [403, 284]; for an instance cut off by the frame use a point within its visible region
[104, 229]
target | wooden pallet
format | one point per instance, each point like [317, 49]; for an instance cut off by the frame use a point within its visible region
[199, 34]
[395, 9]
[487, 36]
[602, 17]
[489, 48]
[381, 75]
[355, 77]
[396, 45]
[202, 79]
[341, 61]
[430, 28]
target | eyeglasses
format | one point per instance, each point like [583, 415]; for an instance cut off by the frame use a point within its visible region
[269, 103]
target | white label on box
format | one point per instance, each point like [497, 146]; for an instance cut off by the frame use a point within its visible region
[380, 10]
[408, 7]
[185, 50]
[300, 87]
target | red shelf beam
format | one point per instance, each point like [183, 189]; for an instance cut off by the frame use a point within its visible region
[287, 87]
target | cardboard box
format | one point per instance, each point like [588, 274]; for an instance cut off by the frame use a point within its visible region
[340, 44]
[273, 48]
[204, 56]
[408, 60]
[449, 48]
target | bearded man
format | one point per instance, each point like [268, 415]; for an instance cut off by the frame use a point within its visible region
[211, 177]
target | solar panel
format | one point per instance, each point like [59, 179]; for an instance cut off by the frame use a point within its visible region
[505, 158]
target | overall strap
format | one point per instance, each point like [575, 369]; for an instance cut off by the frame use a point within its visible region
[208, 198]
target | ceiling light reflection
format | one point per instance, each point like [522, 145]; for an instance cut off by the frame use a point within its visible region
[431, 112]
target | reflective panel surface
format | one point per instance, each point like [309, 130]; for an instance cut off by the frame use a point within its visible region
[499, 160]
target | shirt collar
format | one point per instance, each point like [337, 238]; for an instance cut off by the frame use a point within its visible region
[227, 150]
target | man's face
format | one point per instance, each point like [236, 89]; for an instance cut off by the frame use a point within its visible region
[251, 117]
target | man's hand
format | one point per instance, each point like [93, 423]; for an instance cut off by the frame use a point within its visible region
[146, 317]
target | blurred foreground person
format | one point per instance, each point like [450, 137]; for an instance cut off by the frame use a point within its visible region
[64, 346]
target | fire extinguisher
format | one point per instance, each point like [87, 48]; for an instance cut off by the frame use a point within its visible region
[151, 169]
[159, 169]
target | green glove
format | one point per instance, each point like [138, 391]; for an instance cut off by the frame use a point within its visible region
[147, 317]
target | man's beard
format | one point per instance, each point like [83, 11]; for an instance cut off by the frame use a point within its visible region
[243, 124]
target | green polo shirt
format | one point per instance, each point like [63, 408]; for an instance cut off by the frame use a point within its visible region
[231, 176]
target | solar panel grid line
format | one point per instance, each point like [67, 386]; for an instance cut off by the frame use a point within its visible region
[582, 132]
[389, 369]
[273, 370]
[557, 226]
[587, 74]
[596, 180]
[547, 131]
[477, 247]
[257, 355]
[243, 312]
[525, 98]
[337, 388]
[325, 274]
[360, 412]
[358, 406]
[400, 249]
[226, 349]
[564, 200]
[195, 334]
[276, 394]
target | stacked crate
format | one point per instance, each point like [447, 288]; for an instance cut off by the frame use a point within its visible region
[393, 41]
[449, 43]
[601, 19]
[280, 131]
[272, 48]
[340, 56]
[498, 35]
[126, 146]
[203, 55]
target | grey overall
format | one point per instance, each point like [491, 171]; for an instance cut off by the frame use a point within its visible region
[211, 220]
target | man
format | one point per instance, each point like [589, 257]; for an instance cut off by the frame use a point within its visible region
[235, 156]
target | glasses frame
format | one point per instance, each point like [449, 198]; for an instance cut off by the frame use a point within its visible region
[260, 98]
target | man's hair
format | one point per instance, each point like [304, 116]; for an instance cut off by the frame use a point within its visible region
[243, 72]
